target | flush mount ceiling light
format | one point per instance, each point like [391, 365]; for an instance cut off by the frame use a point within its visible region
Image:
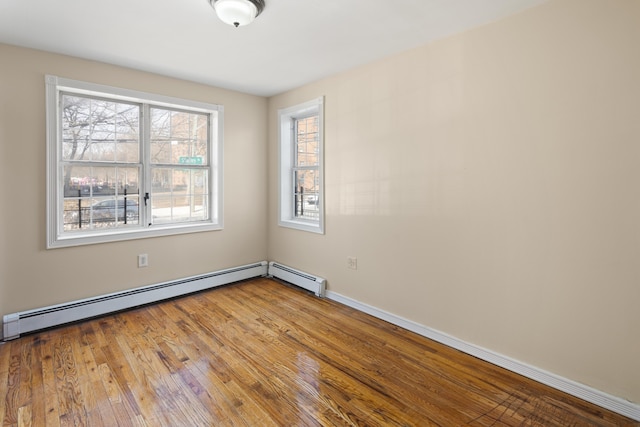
[237, 12]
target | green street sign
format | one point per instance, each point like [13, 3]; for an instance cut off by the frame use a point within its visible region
[183, 160]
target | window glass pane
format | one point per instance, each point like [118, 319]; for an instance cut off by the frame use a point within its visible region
[127, 180]
[72, 214]
[76, 135]
[128, 134]
[307, 146]
[99, 130]
[160, 136]
[179, 137]
[87, 181]
[89, 191]
[77, 181]
[91, 213]
[306, 194]
[180, 195]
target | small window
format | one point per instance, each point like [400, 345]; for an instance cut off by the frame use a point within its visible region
[124, 164]
[301, 167]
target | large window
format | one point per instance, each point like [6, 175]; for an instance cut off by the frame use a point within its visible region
[301, 183]
[124, 164]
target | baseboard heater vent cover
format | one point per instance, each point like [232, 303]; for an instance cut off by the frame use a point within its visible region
[304, 280]
[28, 321]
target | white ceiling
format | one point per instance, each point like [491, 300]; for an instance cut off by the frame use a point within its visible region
[293, 42]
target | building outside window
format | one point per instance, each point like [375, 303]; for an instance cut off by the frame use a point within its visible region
[306, 167]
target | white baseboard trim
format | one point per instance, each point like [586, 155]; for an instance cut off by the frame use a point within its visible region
[584, 392]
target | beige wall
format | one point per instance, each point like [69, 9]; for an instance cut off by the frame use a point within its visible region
[489, 186]
[32, 276]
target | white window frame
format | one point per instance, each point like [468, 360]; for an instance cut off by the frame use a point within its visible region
[286, 138]
[56, 237]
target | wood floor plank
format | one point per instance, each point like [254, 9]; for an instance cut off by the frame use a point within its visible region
[37, 407]
[91, 395]
[261, 353]
[12, 396]
[138, 376]
[5, 357]
[51, 405]
[25, 417]
[73, 410]
[26, 381]
[92, 379]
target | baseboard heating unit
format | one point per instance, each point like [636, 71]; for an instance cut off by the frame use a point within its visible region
[33, 320]
[304, 280]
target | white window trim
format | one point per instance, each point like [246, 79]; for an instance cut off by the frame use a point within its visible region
[286, 216]
[55, 237]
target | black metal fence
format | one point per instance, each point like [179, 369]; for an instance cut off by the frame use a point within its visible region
[306, 205]
[85, 212]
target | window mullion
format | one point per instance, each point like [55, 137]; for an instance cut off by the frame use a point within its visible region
[294, 138]
[145, 156]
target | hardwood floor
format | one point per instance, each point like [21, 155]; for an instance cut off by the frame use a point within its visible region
[260, 353]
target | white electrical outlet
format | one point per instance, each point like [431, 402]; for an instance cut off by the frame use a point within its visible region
[143, 260]
[352, 262]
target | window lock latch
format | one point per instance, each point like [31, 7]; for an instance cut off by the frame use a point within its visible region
[146, 198]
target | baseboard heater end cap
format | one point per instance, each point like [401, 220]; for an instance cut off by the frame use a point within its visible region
[299, 278]
[11, 327]
[322, 287]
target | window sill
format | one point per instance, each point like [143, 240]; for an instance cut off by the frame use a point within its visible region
[311, 227]
[129, 234]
